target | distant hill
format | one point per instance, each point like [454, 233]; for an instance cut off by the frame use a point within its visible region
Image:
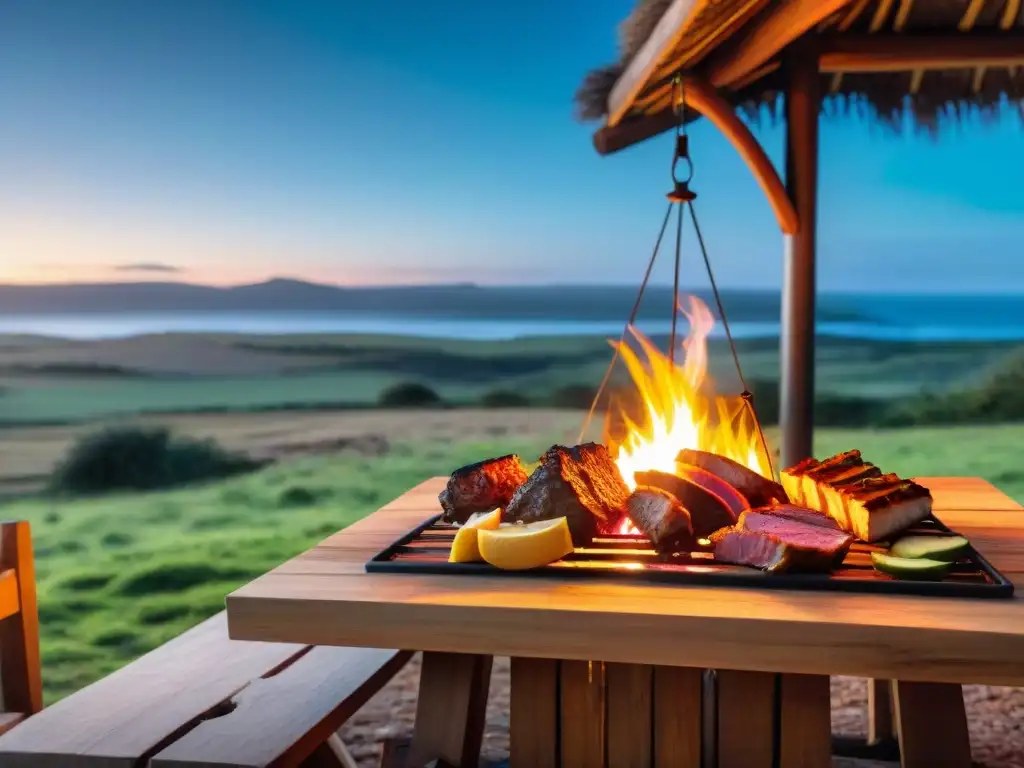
[568, 302]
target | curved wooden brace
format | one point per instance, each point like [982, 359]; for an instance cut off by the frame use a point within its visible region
[702, 96]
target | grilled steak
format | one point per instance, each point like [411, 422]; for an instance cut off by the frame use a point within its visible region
[778, 544]
[581, 484]
[758, 490]
[708, 511]
[662, 519]
[788, 512]
[481, 487]
[734, 500]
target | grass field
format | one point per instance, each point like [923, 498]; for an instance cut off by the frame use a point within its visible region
[60, 381]
[119, 575]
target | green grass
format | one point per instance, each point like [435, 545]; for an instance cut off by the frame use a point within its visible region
[122, 574]
[353, 370]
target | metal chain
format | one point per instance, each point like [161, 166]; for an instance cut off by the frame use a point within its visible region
[629, 323]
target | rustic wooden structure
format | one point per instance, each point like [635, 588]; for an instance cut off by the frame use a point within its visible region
[203, 699]
[630, 655]
[910, 63]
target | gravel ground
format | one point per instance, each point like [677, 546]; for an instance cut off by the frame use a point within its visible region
[996, 718]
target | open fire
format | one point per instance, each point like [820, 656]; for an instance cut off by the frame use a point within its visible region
[681, 410]
[688, 472]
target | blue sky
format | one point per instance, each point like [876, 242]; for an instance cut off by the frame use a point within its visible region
[425, 142]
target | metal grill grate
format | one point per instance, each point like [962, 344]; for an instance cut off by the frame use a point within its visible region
[425, 550]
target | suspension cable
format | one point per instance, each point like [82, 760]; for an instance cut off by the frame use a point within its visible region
[629, 323]
[747, 395]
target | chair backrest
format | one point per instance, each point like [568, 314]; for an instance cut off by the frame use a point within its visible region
[21, 683]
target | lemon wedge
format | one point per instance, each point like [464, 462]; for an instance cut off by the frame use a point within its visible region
[465, 548]
[518, 547]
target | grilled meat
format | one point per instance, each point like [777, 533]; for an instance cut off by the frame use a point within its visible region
[580, 483]
[708, 511]
[878, 508]
[857, 495]
[481, 487]
[778, 544]
[758, 490]
[662, 519]
[789, 512]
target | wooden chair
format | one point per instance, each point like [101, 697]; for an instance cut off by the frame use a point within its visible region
[21, 682]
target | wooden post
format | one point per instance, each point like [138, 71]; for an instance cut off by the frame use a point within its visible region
[803, 104]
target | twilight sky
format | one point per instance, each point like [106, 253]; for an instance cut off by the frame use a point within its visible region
[230, 141]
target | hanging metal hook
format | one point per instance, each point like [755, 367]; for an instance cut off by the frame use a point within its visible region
[681, 183]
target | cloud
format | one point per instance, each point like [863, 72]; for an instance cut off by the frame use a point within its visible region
[148, 266]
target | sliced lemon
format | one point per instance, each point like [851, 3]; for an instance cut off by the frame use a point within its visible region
[518, 547]
[465, 548]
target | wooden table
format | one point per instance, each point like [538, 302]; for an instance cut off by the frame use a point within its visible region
[609, 673]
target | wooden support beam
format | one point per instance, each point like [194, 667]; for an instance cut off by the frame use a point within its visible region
[654, 50]
[900, 53]
[784, 22]
[803, 106]
[703, 98]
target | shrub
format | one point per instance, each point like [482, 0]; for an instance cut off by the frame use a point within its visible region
[134, 458]
[409, 394]
[578, 396]
[503, 398]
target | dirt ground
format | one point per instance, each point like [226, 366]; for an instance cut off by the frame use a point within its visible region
[27, 455]
[995, 715]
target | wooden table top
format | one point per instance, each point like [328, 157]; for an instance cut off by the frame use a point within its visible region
[325, 597]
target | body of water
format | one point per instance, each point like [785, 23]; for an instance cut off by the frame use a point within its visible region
[891, 318]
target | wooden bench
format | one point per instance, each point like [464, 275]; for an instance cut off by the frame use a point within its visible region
[204, 699]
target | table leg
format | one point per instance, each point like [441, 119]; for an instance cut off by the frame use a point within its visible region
[565, 714]
[932, 725]
[533, 714]
[746, 719]
[880, 724]
[677, 717]
[629, 691]
[451, 709]
[582, 710]
[805, 722]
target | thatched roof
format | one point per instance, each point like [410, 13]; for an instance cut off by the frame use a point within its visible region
[921, 97]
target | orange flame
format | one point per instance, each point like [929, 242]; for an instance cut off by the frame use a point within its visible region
[679, 410]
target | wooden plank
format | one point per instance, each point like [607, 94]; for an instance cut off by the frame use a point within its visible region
[932, 725]
[784, 22]
[904, 52]
[281, 719]
[533, 713]
[746, 719]
[116, 721]
[677, 717]
[880, 716]
[805, 723]
[629, 691]
[451, 709]
[872, 636]
[582, 714]
[21, 680]
[9, 600]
